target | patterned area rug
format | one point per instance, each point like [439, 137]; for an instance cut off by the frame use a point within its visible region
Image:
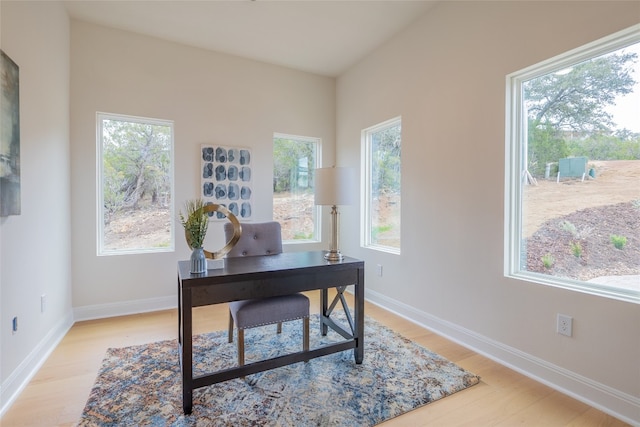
[140, 385]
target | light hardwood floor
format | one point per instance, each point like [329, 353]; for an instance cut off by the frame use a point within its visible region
[57, 394]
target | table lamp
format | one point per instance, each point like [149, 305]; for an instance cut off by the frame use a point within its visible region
[333, 187]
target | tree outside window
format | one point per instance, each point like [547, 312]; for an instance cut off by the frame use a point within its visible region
[382, 149]
[294, 162]
[573, 196]
[135, 191]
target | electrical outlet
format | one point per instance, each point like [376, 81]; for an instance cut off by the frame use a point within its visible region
[565, 325]
[43, 303]
[379, 270]
[14, 325]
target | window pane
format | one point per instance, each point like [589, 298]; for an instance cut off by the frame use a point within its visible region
[579, 178]
[383, 175]
[294, 160]
[136, 184]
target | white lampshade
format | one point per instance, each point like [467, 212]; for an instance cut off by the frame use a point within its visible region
[334, 186]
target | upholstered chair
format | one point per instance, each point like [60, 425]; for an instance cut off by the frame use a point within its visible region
[263, 239]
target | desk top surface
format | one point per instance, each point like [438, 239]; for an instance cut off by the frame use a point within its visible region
[256, 265]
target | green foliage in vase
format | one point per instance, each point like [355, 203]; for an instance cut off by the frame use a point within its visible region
[195, 222]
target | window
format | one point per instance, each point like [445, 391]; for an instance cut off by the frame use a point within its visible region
[135, 185]
[294, 160]
[382, 167]
[572, 201]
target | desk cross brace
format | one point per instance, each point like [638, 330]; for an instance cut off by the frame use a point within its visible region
[340, 297]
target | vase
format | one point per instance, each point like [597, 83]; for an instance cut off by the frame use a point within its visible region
[198, 261]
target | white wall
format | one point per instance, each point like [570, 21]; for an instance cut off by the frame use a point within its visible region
[212, 98]
[445, 75]
[35, 246]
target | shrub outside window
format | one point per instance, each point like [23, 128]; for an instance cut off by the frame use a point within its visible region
[382, 145]
[294, 160]
[135, 185]
[572, 201]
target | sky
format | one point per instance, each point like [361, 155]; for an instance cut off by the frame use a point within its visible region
[626, 112]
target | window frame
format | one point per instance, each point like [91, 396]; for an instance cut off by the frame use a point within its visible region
[317, 210]
[365, 201]
[100, 210]
[515, 158]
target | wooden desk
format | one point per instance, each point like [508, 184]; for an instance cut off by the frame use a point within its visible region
[264, 276]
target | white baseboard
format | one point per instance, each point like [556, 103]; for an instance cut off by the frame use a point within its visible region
[20, 377]
[614, 402]
[101, 311]
[607, 399]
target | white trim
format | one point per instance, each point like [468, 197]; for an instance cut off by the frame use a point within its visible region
[20, 377]
[516, 163]
[605, 398]
[124, 308]
[603, 46]
[365, 177]
[100, 116]
[317, 163]
[11, 388]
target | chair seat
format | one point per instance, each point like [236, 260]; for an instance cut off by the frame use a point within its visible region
[266, 311]
[260, 239]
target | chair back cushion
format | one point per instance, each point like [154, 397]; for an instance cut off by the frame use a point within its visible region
[258, 238]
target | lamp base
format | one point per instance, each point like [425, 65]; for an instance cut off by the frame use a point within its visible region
[333, 256]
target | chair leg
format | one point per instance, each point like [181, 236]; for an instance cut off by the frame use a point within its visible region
[279, 327]
[241, 347]
[230, 327]
[305, 333]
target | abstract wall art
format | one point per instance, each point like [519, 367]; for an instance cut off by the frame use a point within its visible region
[226, 179]
[9, 137]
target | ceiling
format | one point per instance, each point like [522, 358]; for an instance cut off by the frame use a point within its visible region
[325, 37]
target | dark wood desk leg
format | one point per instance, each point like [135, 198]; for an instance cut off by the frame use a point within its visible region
[359, 315]
[186, 351]
[324, 303]
[179, 315]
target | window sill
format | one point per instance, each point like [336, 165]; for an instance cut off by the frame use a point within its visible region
[626, 294]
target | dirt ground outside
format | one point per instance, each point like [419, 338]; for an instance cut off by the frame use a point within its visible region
[295, 215]
[145, 228]
[615, 182]
[568, 225]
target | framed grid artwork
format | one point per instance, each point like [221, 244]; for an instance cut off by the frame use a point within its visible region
[226, 180]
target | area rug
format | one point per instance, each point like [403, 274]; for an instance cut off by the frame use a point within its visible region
[140, 385]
